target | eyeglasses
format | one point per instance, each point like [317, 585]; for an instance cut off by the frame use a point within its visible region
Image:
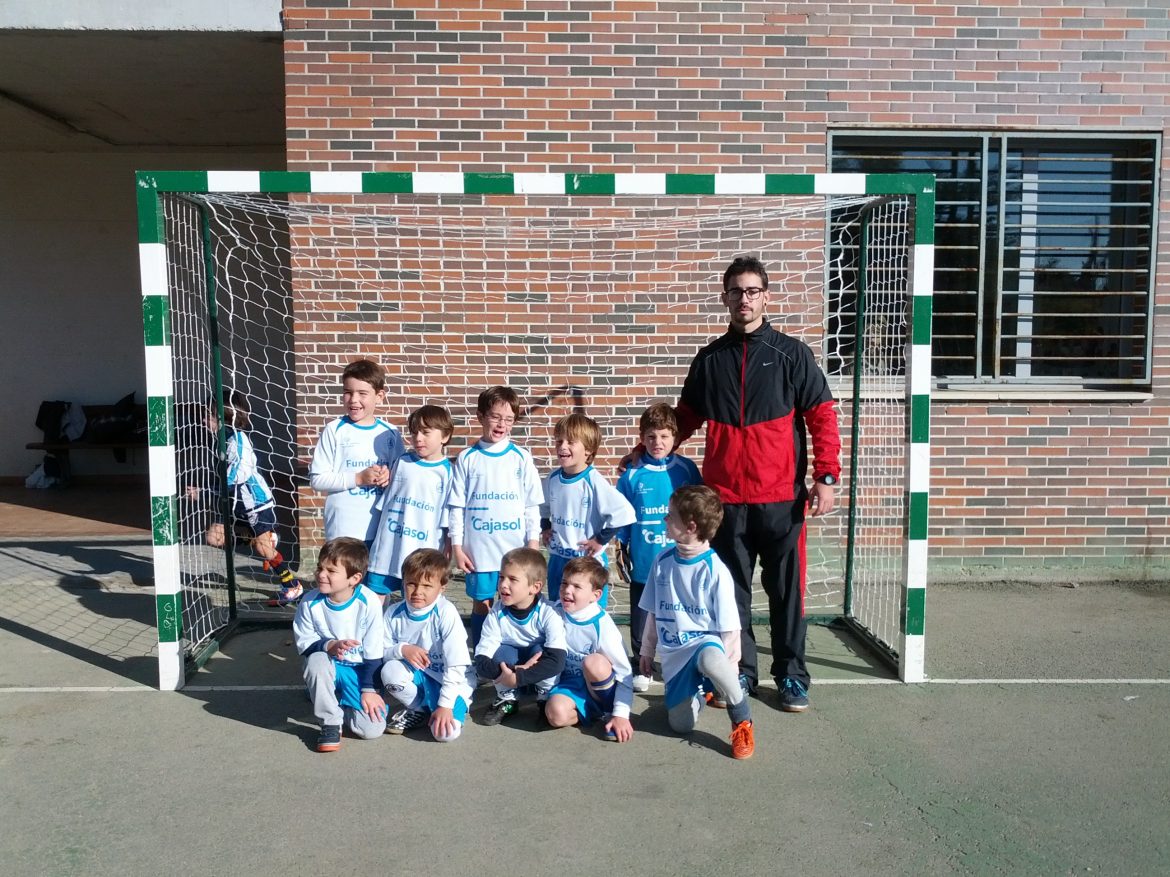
[749, 293]
[500, 421]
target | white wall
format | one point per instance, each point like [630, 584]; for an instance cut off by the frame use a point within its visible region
[70, 313]
[167, 15]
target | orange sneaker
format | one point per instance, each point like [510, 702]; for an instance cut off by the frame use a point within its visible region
[743, 740]
[714, 701]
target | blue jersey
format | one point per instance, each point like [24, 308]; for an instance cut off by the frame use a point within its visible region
[250, 491]
[413, 512]
[649, 485]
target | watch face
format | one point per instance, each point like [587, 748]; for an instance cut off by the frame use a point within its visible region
[827, 479]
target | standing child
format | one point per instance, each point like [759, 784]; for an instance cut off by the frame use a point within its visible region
[251, 498]
[354, 453]
[523, 640]
[426, 651]
[582, 512]
[414, 506]
[339, 633]
[494, 502]
[596, 681]
[692, 619]
[648, 484]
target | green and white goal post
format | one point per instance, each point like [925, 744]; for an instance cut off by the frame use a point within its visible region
[586, 292]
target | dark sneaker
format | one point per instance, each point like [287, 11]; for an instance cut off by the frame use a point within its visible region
[289, 594]
[793, 695]
[501, 709]
[405, 720]
[714, 701]
[329, 740]
[743, 740]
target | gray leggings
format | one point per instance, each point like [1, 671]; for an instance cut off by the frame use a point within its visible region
[321, 683]
[713, 664]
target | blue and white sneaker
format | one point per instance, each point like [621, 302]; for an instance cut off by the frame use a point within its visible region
[793, 695]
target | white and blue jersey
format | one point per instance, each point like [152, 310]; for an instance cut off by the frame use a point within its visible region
[589, 631]
[494, 502]
[343, 450]
[649, 485]
[438, 629]
[413, 513]
[319, 620]
[541, 627]
[251, 494]
[580, 507]
[692, 601]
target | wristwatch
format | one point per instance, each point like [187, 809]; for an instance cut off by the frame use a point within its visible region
[827, 479]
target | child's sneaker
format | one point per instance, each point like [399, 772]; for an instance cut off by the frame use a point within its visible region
[329, 740]
[714, 701]
[793, 695]
[743, 740]
[641, 683]
[288, 594]
[405, 720]
[501, 709]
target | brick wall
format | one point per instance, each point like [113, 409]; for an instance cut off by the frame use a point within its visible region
[1077, 486]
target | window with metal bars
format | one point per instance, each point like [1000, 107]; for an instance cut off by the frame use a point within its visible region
[1044, 250]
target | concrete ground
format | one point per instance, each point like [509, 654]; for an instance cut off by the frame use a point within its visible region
[1039, 747]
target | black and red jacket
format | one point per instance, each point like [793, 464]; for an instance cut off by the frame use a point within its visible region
[758, 393]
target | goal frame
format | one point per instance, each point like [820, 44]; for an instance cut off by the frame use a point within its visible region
[160, 389]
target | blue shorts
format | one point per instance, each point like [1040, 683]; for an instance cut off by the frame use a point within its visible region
[429, 689]
[591, 705]
[688, 682]
[383, 584]
[482, 585]
[259, 521]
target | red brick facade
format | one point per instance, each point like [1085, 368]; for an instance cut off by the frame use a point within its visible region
[1075, 486]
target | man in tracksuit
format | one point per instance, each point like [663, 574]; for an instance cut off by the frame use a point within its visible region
[759, 392]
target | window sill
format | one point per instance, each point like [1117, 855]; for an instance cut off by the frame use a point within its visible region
[1038, 393]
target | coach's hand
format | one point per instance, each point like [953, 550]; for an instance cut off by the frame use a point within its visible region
[820, 499]
[630, 459]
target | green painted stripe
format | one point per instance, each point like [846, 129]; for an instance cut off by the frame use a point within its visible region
[163, 520]
[923, 314]
[488, 184]
[789, 184]
[915, 624]
[924, 218]
[690, 184]
[919, 417]
[170, 618]
[179, 181]
[160, 421]
[151, 227]
[396, 183]
[919, 515]
[156, 320]
[285, 181]
[590, 184]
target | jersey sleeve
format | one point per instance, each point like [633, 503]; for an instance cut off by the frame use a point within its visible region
[614, 509]
[326, 474]
[533, 493]
[455, 656]
[724, 612]
[491, 637]
[457, 499]
[305, 632]
[625, 486]
[553, 628]
[373, 642]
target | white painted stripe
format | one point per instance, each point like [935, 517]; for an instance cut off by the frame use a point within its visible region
[152, 269]
[817, 682]
[920, 369]
[923, 269]
[917, 563]
[233, 181]
[167, 579]
[162, 471]
[839, 184]
[539, 184]
[160, 380]
[170, 667]
[912, 661]
[918, 463]
[739, 184]
[438, 183]
[335, 181]
[639, 184]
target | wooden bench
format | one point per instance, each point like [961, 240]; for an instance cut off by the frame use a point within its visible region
[95, 415]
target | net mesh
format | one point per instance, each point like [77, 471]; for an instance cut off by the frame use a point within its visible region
[595, 306]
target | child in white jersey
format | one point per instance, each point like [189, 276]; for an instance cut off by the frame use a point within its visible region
[596, 681]
[338, 631]
[494, 502]
[414, 506]
[253, 507]
[427, 661]
[354, 453]
[648, 484]
[692, 619]
[582, 512]
[523, 641]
